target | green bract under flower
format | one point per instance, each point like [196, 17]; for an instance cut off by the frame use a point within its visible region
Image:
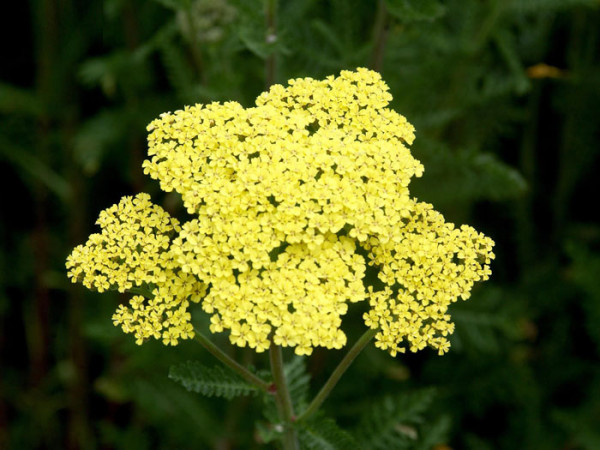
[285, 195]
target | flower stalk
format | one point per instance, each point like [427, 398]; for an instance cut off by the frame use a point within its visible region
[380, 33]
[229, 362]
[337, 373]
[282, 398]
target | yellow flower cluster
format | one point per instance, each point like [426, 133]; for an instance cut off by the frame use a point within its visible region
[300, 296]
[426, 265]
[284, 192]
[287, 197]
[132, 251]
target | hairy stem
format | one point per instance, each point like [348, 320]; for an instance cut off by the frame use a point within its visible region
[337, 373]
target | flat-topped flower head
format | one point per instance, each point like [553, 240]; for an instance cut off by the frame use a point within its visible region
[292, 199]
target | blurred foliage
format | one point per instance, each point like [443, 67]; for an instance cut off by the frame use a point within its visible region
[504, 96]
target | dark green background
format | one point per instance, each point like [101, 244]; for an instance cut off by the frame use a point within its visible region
[508, 147]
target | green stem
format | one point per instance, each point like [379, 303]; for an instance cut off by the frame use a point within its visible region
[379, 36]
[337, 373]
[139, 290]
[282, 398]
[229, 362]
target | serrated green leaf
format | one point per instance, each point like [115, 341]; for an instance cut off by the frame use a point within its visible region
[434, 433]
[392, 421]
[210, 381]
[485, 325]
[322, 433]
[298, 382]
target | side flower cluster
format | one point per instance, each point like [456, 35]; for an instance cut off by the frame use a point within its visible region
[292, 199]
[425, 267]
[132, 253]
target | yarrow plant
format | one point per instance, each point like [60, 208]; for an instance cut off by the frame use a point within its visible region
[292, 200]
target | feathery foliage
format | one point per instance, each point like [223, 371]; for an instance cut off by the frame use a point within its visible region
[210, 381]
[393, 422]
[322, 433]
[298, 380]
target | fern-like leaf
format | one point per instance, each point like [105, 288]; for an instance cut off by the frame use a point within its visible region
[486, 325]
[322, 433]
[393, 421]
[210, 381]
[298, 382]
[434, 434]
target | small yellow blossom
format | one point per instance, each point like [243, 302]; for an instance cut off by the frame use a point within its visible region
[287, 197]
